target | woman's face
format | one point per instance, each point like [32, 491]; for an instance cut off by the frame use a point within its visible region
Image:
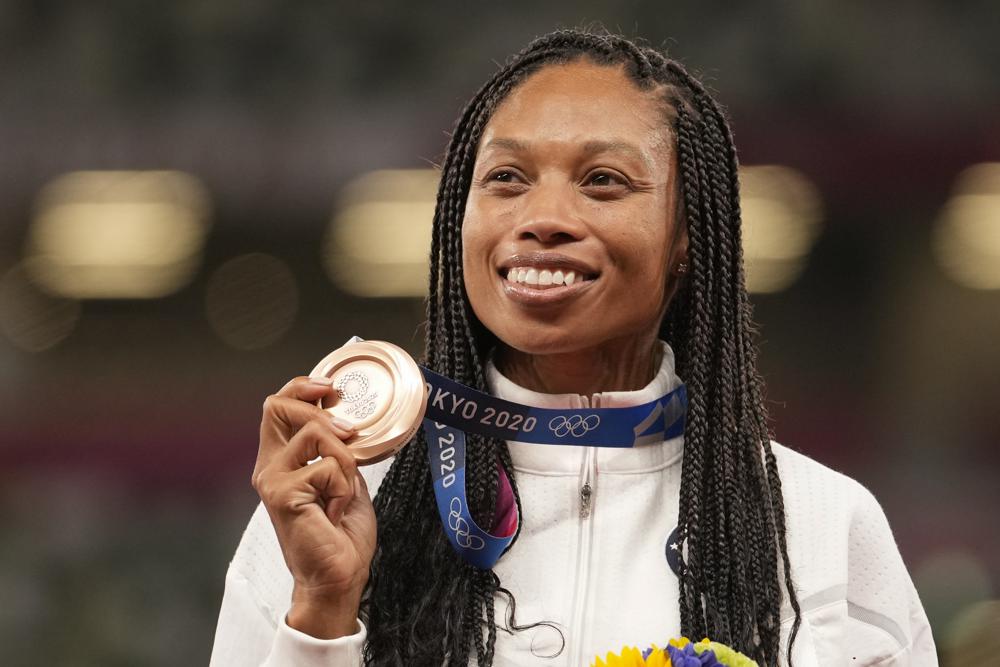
[570, 232]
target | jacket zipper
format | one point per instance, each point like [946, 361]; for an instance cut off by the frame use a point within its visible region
[583, 557]
[586, 491]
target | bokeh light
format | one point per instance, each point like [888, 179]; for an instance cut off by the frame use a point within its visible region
[251, 301]
[378, 240]
[118, 234]
[781, 220]
[967, 237]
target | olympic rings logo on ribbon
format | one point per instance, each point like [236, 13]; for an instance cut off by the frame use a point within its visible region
[461, 528]
[575, 425]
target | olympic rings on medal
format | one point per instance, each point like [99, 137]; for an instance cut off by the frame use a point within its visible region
[461, 528]
[575, 425]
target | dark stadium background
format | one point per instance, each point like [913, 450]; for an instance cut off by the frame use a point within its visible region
[128, 425]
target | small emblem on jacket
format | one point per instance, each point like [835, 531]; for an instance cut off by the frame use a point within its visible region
[673, 551]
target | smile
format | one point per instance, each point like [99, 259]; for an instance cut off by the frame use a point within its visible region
[538, 286]
[542, 278]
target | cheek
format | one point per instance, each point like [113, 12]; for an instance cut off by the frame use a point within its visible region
[643, 266]
[475, 245]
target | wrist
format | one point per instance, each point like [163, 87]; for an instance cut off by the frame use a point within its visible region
[324, 617]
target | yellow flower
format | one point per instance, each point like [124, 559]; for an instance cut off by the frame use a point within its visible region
[630, 657]
[657, 658]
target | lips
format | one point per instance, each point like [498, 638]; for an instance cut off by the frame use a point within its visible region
[543, 269]
[545, 278]
[541, 277]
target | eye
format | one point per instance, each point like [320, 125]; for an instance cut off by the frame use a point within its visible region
[606, 180]
[601, 179]
[504, 182]
[503, 176]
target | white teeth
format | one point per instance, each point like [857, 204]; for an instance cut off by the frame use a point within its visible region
[542, 277]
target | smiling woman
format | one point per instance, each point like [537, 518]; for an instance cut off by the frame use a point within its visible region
[571, 183]
[586, 254]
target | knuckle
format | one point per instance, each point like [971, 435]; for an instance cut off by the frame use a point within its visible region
[334, 465]
[274, 494]
[265, 489]
[291, 387]
[313, 428]
[270, 404]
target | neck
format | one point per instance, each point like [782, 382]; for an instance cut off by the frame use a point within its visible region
[611, 366]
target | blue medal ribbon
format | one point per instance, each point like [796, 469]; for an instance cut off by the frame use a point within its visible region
[454, 409]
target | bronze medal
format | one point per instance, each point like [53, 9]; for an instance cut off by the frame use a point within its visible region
[380, 390]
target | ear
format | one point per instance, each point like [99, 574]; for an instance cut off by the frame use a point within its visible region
[678, 265]
[678, 261]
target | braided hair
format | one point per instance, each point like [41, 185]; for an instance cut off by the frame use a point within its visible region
[424, 605]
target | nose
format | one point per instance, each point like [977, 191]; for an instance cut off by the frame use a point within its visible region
[550, 217]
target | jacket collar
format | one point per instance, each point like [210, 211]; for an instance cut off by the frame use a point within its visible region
[567, 460]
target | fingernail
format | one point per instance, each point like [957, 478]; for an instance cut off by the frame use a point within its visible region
[342, 424]
[320, 379]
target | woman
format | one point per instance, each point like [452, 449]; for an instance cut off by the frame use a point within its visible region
[601, 165]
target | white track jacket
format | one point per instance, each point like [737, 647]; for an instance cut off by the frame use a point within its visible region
[600, 573]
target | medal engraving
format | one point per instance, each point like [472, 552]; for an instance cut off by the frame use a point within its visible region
[353, 388]
[380, 390]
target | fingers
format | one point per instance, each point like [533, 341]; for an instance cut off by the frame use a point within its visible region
[287, 411]
[329, 483]
[318, 438]
[322, 485]
[282, 417]
[306, 388]
[295, 403]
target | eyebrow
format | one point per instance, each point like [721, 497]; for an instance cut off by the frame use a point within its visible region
[514, 145]
[591, 147]
[614, 146]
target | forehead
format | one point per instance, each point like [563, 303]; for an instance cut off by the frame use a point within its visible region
[581, 101]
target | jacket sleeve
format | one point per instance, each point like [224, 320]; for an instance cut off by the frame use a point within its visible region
[887, 623]
[252, 629]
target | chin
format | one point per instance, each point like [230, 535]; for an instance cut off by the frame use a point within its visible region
[543, 340]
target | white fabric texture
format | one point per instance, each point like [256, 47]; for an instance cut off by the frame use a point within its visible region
[603, 580]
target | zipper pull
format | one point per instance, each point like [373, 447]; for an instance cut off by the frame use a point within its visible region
[585, 493]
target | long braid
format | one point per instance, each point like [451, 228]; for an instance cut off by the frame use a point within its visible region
[424, 605]
[755, 533]
[755, 395]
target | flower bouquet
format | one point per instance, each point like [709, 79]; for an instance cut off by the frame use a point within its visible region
[678, 653]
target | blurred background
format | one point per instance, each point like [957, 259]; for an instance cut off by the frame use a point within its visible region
[188, 196]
